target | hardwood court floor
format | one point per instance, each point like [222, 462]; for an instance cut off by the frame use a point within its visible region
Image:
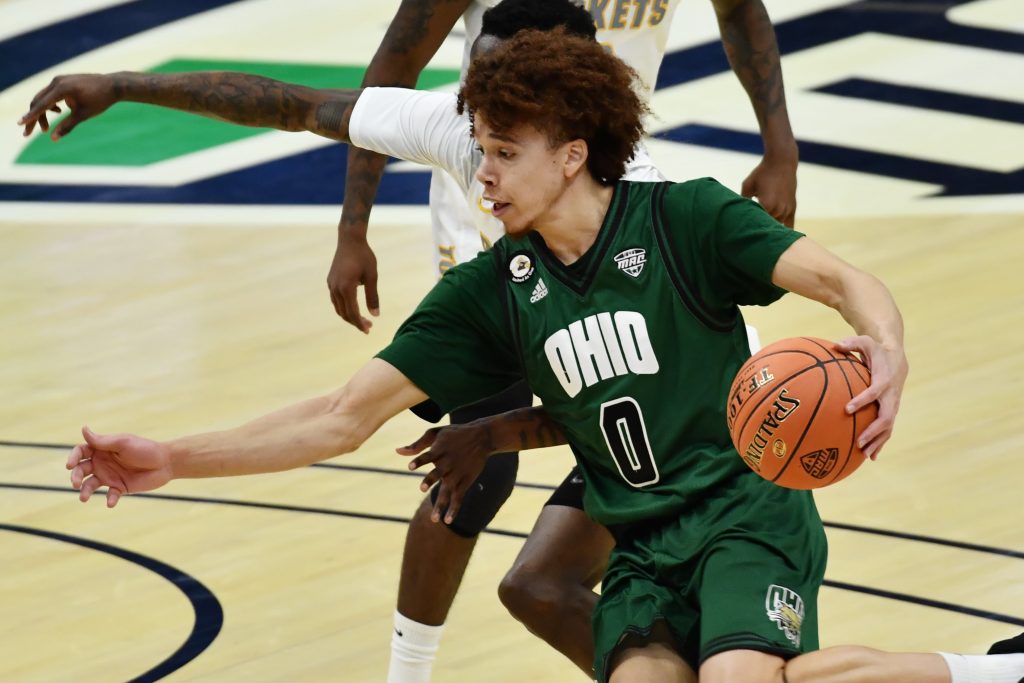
[166, 329]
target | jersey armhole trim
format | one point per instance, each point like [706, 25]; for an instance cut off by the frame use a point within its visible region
[684, 288]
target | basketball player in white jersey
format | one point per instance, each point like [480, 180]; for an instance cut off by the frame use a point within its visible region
[549, 577]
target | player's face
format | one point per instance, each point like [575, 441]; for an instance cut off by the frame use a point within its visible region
[521, 173]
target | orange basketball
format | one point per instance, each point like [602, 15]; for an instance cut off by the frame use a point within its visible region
[787, 412]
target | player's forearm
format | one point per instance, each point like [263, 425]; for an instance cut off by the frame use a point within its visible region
[868, 306]
[365, 168]
[292, 437]
[413, 36]
[302, 433]
[520, 430]
[807, 269]
[749, 41]
[243, 99]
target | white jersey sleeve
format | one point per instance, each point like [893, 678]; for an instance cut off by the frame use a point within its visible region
[416, 125]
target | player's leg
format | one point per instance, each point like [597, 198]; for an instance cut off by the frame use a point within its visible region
[550, 586]
[436, 555]
[645, 628]
[758, 593]
[854, 664]
[655, 658]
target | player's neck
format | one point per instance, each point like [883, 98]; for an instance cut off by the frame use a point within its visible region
[571, 225]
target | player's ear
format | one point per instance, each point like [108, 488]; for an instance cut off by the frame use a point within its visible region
[576, 153]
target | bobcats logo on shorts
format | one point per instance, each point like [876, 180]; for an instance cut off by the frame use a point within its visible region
[786, 609]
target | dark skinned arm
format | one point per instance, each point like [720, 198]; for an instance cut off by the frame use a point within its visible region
[414, 35]
[749, 41]
[244, 99]
[460, 451]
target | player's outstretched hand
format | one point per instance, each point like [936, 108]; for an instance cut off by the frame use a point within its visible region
[458, 453]
[354, 264]
[124, 463]
[86, 95]
[889, 370]
[773, 182]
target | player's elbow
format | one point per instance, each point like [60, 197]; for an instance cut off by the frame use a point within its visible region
[351, 426]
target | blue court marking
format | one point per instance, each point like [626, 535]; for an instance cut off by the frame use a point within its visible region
[209, 616]
[920, 19]
[926, 98]
[867, 590]
[313, 177]
[954, 179]
[29, 53]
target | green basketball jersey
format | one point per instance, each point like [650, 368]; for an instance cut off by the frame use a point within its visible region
[632, 349]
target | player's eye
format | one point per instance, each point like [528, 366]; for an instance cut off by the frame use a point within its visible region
[505, 154]
[479, 149]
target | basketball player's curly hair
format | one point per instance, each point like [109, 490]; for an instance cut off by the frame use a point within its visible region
[567, 87]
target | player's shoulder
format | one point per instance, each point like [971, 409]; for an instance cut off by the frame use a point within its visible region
[700, 187]
[481, 268]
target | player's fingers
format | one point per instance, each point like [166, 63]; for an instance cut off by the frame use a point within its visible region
[113, 495]
[30, 123]
[43, 100]
[425, 440]
[776, 206]
[350, 309]
[880, 427]
[430, 457]
[454, 504]
[335, 301]
[89, 487]
[77, 454]
[791, 216]
[103, 442]
[872, 449]
[429, 480]
[80, 472]
[370, 290]
[857, 344]
[866, 397]
[68, 124]
[749, 187]
[443, 498]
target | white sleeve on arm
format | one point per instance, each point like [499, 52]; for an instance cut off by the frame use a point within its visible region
[415, 125]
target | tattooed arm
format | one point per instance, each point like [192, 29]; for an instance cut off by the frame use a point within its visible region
[414, 35]
[749, 42]
[459, 452]
[244, 99]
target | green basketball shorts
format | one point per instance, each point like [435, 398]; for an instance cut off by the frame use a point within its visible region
[750, 583]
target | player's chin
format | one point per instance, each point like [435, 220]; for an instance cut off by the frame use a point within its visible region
[514, 225]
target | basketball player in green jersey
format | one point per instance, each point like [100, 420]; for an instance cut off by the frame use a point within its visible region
[549, 587]
[618, 302]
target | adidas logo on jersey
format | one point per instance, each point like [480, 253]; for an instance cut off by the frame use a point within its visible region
[539, 292]
[631, 261]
